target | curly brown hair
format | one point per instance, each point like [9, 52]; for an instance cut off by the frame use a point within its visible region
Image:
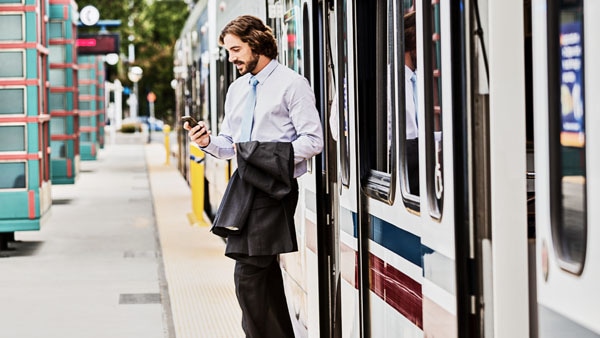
[254, 32]
[410, 32]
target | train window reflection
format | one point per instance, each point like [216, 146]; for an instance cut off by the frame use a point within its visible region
[410, 131]
[433, 109]
[376, 78]
[293, 49]
[342, 102]
[568, 162]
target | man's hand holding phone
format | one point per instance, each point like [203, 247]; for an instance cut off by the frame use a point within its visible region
[197, 131]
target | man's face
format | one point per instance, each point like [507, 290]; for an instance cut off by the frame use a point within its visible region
[240, 54]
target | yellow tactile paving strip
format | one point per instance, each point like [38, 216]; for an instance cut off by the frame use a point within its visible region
[199, 276]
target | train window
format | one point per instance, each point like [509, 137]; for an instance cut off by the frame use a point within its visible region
[11, 27]
[12, 138]
[13, 175]
[432, 76]
[409, 132]
[195, 81]
[13, 101]
[293, 50]
[567, 133]
[376, 93]
[204, 87]
[12, 64]
[342, 102]
[225, 77]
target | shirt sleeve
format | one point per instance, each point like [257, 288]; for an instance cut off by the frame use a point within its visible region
[306, 121]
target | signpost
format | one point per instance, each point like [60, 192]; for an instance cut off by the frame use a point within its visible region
[151, 97]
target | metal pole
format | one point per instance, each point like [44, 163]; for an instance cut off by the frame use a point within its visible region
[136, 103]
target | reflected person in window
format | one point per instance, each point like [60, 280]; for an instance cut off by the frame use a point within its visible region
[410, 85]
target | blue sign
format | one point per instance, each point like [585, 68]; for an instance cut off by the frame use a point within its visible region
[571, 83]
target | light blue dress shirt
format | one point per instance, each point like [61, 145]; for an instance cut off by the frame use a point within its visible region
[412, 130]
[285, 111]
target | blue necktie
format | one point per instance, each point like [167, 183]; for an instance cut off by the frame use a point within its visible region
[413, 79]
[249, 114]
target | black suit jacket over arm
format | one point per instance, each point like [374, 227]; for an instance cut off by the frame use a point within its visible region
[260, 201]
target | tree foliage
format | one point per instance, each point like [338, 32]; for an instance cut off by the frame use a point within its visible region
[154, 27]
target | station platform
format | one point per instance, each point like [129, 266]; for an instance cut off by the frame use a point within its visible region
[117, 257]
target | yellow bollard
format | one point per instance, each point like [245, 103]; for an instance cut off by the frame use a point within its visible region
[197, 185]
[167, 130]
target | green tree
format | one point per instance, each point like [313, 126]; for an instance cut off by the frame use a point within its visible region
[154, 27]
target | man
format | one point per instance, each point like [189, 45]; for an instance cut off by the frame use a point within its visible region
[284, 111]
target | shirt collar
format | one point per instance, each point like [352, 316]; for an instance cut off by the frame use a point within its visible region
[409, 72]
[265, 72]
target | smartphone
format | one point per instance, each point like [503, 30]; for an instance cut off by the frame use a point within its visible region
[189, 120]
[192, 123]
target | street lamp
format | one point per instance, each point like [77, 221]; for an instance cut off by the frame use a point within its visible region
[134, 75]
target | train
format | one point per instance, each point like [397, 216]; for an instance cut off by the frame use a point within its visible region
[499, 238]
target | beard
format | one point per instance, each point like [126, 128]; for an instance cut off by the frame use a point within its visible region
[248, 66]
[413, 57]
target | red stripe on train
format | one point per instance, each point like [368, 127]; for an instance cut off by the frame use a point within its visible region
[391, 285]
[397, 289]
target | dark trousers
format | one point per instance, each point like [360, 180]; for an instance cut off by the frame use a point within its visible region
[259, 289]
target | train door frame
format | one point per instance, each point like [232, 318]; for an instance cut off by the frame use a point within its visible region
[382, 221]
[347, 206]
[506, 271]
[444, 151]
[325, 170]
[317, 256]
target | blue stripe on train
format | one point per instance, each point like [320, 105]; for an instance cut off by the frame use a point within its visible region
[395, 239]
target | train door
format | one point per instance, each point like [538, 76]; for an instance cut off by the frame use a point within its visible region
[300, 28]
[567, 167]
[492, 236]
[347, 207]
[443, 191]
[380, 230]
